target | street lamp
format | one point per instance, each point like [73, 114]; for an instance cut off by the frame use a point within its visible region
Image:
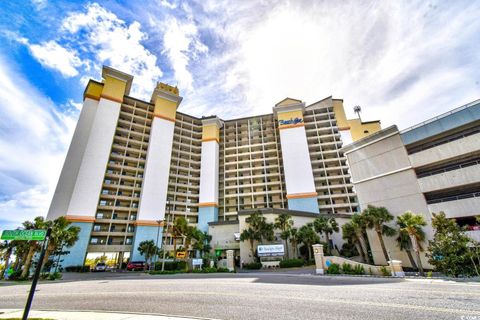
[159, 223]
[164, 234]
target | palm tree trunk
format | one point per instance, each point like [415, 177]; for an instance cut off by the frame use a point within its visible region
[28, 261]
[417, 253]
[252, 250]
[174, 248]
[286, 248]
[360, 250]
[309, 252]
[7, 260]
[410, 258]
[363, 244]
[382, 244]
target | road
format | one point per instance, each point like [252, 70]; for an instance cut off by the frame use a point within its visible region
[255, 296]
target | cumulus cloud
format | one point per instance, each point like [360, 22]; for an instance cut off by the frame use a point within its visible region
[34, 139]
[52, 55]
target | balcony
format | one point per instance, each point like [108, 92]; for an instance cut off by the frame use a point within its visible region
[450, 179]
[456, 207]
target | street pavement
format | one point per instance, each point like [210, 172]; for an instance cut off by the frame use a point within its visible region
[275, 295]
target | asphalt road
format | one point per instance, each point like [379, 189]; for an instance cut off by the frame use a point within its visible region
[255, 296]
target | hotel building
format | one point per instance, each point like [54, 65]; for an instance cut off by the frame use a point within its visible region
[431, 167]
[134, 165]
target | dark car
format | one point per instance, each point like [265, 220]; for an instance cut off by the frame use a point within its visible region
[135, 265]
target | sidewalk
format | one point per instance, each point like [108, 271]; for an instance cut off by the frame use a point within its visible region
[90, 315]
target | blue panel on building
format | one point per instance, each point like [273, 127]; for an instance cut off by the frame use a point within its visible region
[78, 251]
[206, 215]
[304, 204]
[145, 233]
[442, 123]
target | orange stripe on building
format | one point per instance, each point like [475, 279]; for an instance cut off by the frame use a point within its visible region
[344, 128]
[104, 96]
[164, 118]
[91, 96]
[208, 204]
[73, 218]
[301, 195]
[289, 126]
[149, 223]
[210, 139]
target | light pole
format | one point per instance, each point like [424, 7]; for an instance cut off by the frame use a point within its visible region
[164, 234]
[159, 222]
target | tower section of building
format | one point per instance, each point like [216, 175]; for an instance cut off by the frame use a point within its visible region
[300, 185]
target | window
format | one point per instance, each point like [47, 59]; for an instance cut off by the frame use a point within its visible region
[99, 215]
[94, 240]
[103, 202]
[365, 131]
[129, 241]
[96, 227]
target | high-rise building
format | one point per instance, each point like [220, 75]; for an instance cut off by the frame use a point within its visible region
[132, 162]
[429, 168]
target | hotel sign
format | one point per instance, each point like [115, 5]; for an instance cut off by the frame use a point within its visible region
[291, 121]
[24, 235]
[270, 250]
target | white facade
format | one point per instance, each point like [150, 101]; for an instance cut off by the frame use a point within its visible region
[88, 185]
[157, 170]
[209, 166]
[73, 161]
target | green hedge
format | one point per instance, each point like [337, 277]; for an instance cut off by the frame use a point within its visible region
[334, 268]
[253, 266]
[171, 265]
[291, 263]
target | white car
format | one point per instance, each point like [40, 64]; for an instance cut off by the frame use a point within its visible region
[100, 267]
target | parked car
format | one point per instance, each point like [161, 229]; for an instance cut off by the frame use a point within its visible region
[100, 267]
[135, 265]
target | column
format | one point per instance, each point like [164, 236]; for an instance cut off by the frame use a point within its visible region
[209, 167]
[318, 254]
[300, 185]
[83, 202]
[153, 197]
[230, 261]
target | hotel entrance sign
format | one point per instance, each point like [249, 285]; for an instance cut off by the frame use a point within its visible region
[270, 250]
[24, 235]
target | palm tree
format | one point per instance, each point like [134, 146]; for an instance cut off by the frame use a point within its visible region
[284, 223]
[6, 250]
[251, 235]
[294, 239]
[359, 225]
[308, 237]
[327, 225]
[350, 234]
[376, 218]
[148, 249]
[179, 229]
[62, 235]
[412, 224]
[195, 235]
[34, 246]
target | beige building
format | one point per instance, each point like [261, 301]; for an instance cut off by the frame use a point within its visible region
[431, 167]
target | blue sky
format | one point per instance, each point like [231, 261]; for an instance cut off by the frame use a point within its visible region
[402, 61]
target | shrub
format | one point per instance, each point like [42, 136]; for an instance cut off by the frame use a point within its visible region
[223, 270]
[334, 268]
[253, 266]
[166, 272]
[429, 274]
[291, 263]
[347, 268]
[16, 275]
[171, 265]
[348, 250]
[358, 269]
[384, 271]
[310, 262]
[209, 270]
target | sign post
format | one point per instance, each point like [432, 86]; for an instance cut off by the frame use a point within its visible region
[32, 235]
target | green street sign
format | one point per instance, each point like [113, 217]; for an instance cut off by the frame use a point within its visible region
[24, 234]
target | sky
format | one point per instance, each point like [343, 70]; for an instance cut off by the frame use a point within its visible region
[402, 61]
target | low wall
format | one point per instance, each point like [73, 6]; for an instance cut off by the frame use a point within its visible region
[369, 269]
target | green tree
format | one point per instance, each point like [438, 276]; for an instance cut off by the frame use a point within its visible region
[251, 235]
[178, 230]
[6, 251]
[34, 246]
[351, 234]
[284, 223]
[63, 235]
[377, 219]
[148, 249]
[359, 224]
[294, 240]
[258, 230]
[449, 251]
[308, 237]
[326, 225]
[411, 225]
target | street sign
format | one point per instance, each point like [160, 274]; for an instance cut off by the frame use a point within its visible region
[24, 235]
[181, 254]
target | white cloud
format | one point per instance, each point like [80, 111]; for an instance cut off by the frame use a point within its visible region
[40, 4]
[33, 143]
[113, 42]
[52, 55]
[182, 44]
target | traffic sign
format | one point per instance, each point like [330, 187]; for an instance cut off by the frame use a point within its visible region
[24, 235]
[181, 254]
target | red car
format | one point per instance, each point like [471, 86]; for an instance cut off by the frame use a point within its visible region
[135, 265]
